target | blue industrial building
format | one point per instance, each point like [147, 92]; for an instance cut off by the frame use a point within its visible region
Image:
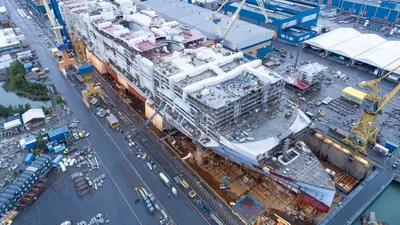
[291, 20]
[382, 11]
[58, 135]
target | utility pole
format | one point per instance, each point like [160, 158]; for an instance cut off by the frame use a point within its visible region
[297, 56]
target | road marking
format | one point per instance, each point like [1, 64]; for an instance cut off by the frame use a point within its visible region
[141, 144]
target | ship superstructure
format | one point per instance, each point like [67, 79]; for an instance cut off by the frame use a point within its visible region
[218, 98]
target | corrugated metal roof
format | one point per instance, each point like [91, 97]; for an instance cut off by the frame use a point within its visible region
[241, 35]
[55, 132]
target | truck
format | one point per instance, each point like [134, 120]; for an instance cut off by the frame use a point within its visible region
[165, 179]
[381, 149]
[391, 146]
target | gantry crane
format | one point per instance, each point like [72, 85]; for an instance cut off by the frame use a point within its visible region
[85, 68]
[219, 34]
[64, 44]
[365, 130]
[58, 26]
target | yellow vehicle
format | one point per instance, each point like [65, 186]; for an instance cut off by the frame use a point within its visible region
[112, 121]
[81, 135]
[54, 52]
[192, 194]
[66, 151]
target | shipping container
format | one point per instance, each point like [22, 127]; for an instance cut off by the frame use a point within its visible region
[353, 95]
[165, 179]
[29, 158]
[391, 146]
[381, 149]
[57, 160]
[59, 148]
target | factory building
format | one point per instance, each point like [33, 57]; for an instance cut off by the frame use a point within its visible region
[33, 117]
[291, 20]
[369, 52]
[386, 12]
[9, 41]
[253, 40]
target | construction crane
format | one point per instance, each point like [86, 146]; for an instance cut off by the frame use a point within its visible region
[58, 26]
[64, 44]
[219, 34]
[365, 130]
[148, 121]
[225, 184]
[85, 68]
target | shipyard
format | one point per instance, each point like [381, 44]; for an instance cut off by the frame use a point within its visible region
[199, 112]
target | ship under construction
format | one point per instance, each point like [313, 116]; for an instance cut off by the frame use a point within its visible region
[221, 100]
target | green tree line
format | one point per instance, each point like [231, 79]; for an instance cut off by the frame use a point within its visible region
[10, 110]
[19, 85]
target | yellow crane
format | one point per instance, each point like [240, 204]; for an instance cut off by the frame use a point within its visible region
[365, 130]
[221, 34]
[84, 69]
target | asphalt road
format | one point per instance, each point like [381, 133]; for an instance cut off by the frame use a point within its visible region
[124, 170]
[361, 198]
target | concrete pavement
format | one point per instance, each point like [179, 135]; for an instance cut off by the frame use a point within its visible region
[121, 165]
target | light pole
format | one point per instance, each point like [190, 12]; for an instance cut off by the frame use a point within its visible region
[297, 56]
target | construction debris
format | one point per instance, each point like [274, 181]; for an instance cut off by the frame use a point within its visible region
[96, 182]
[98, 219]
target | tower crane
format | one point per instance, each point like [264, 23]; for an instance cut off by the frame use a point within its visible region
[365, 130]
[58, 26]
[221, 34]
[64, 44]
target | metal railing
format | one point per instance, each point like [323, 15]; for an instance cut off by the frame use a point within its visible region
[350, 197]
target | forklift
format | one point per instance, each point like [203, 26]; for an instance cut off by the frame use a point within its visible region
[137, 193]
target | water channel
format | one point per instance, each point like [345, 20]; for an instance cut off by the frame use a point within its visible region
[386, 206]
[10, 98]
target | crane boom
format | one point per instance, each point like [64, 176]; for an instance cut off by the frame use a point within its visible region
[365, 129]
[219, 35]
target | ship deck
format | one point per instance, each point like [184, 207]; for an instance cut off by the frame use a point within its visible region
[262, 125]
[302, 165]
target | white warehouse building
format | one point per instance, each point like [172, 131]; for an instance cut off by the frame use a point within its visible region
[369, 52]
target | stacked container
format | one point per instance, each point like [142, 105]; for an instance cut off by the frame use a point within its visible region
[10, 196]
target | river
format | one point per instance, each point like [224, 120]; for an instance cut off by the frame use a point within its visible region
[10, 98]
[386, 206]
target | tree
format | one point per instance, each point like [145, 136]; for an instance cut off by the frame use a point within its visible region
[58, 99]
[45, 110]
[35, 152]
[16, 67]
[27, 107]
[40, 144]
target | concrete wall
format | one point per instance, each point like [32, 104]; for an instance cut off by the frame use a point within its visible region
[340, 159]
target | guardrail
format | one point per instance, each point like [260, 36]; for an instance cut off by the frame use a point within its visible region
[370, 200]
[349, 197]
